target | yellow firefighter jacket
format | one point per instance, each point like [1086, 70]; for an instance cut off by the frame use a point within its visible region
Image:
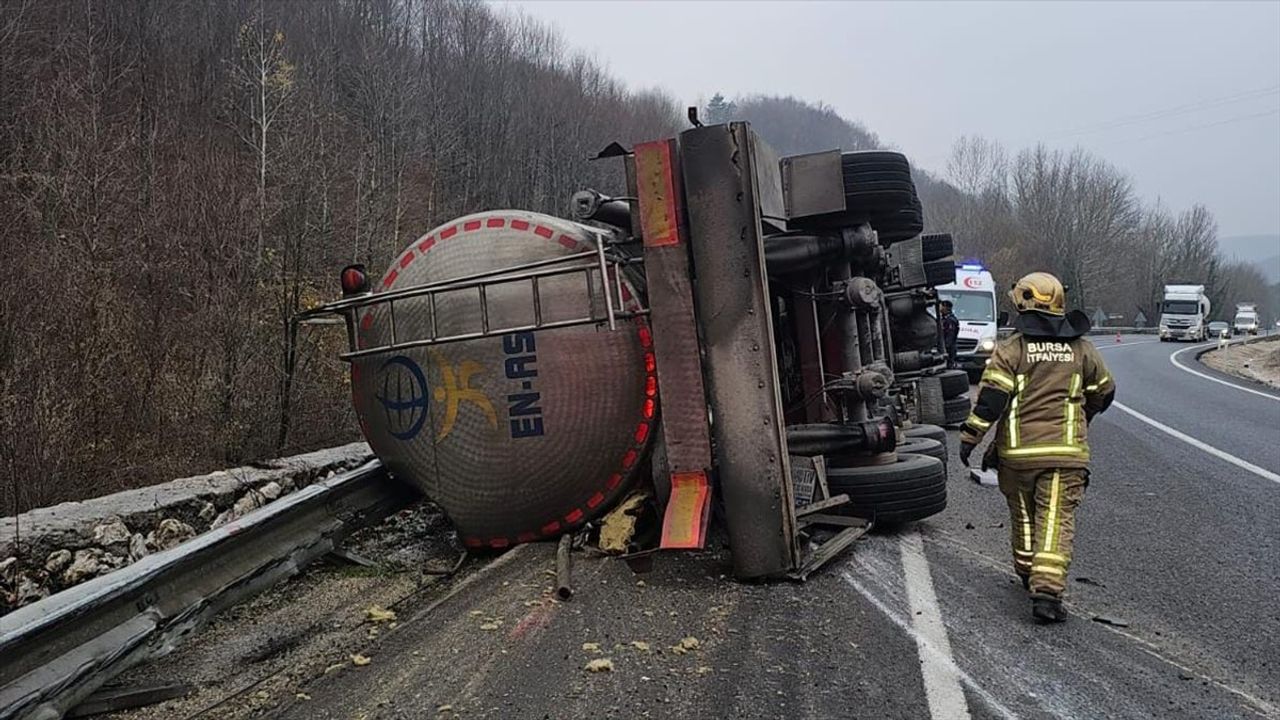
[1043, 391]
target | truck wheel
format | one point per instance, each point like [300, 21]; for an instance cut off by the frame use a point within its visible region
[937, 245]
[940, 272]
[954, 382]
[930, 405]
[923, 446]
[920, 430]
[912, 488]
[956, 410]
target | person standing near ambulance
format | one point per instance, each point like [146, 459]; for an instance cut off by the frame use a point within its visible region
[1042, 387]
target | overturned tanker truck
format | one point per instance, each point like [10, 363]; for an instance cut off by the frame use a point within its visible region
[741, 331]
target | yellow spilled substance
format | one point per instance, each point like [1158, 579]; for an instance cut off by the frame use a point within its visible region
[619, 526]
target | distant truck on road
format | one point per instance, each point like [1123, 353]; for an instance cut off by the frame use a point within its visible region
[1246, 318]
[1184, 313]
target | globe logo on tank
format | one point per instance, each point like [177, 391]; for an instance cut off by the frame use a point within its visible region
[404, 397]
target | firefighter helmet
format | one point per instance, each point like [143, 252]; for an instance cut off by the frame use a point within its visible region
[1039, 291]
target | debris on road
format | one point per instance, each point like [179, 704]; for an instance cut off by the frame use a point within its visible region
[1090, 581]
[640, 645]
[686, 645]
[591, 647]
[376, 614]
[360, 660]
[564, 567]
[1108, 620]
[619, 526]
[599, 665]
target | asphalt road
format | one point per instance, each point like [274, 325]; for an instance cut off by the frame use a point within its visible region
[1176, 543]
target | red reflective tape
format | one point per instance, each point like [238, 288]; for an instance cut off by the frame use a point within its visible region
[648, 408]
[574, 516]
[651, 386]
[595, 500]
[499, 543]
[544, 231]
[568, 242]
[551, 528]
[629, 459]
[614, 481]
[525, 537]
[391, 278]
[474, 542]
[448, 232]
[427, 244]
[408, 258]
[646, 337]
[650, 363]
[642, 433]
[471, 225]
[495, 222]
[519, 225]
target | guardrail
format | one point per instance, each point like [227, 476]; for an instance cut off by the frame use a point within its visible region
[1005, 331]
[56, 652]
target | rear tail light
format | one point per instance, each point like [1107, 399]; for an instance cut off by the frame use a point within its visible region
[354, 280]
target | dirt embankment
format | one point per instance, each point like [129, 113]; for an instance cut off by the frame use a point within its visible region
[1259, 361]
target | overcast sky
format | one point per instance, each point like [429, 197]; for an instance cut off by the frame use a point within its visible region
[1183, 96]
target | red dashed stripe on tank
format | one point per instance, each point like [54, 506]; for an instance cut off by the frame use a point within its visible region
[574, 515]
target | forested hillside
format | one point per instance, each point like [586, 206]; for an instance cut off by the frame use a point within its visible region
[178, 177]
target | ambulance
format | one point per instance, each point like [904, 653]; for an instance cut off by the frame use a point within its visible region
[973, 300]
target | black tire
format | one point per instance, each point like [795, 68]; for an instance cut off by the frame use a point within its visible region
[930, 405]
[956, 409]
[954, 383]
[933, 432]
[917, 332]
[923, 446]
[940, 272]
[912, 488]
[937, 245]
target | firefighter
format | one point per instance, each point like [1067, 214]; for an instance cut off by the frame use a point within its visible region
[1042, 386]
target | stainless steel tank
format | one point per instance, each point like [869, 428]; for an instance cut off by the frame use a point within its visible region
[519, 435]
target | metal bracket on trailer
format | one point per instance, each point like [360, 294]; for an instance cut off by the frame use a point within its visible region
[723, 175]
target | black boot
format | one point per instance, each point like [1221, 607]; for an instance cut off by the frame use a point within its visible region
[1047, 608]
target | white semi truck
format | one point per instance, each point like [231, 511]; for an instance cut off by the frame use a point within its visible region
[1184, 313]
[1246, 320]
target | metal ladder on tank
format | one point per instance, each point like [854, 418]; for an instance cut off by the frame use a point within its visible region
[587, 264]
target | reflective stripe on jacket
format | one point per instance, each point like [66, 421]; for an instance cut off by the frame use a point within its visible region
[1053, 386]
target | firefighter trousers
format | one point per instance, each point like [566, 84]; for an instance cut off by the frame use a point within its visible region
[1042, 512]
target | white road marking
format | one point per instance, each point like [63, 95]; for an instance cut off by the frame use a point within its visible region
[929, 653]
[1174, 359]
[1220, 454]
[941, 681]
